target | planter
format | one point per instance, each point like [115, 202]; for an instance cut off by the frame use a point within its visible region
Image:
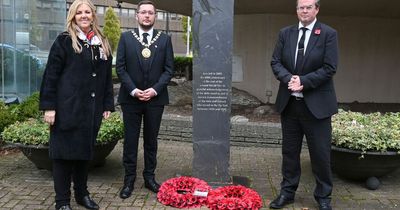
[347, 163]
[39, 155]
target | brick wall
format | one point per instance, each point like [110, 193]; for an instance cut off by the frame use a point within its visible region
[179, 128]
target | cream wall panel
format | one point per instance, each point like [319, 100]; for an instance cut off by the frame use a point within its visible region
[369, 60]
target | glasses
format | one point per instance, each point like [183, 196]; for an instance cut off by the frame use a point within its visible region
[143, 12]
[307, 8]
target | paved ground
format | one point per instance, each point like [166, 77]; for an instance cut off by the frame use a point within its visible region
[22, 186]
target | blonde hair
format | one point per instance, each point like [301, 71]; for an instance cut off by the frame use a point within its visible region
[71, 26]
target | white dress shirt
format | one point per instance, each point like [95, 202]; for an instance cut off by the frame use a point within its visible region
[306, 39]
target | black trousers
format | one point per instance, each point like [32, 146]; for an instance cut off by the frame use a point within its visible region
[133, 116]
[63, 172]
[297, 121]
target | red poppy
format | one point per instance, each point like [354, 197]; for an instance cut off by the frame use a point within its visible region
[179, 192]
[234, 197]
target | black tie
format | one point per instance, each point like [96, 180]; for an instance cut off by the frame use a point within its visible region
[300, 51]
[145, 38]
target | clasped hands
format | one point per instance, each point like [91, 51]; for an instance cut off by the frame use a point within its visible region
[295, 84]
[145, 95]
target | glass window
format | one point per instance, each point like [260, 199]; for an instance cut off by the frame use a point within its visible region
[100, 10]
[117, 10]
[46, 5]
[57, 5]
[53, 34]
[131, 12]
[124, 12]
[25, 42]
[172, 16]
[7, 2]
[160, 15]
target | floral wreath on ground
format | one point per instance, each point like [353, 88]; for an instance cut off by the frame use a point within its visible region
[179, 192]
[234, 197]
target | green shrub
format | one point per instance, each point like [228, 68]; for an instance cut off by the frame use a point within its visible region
[29, 132]
[6, 116]
[29, 108]
[180, 64]
[114, 76]
[111, 129]
[36, 132]
[366, 132]
[19, 112]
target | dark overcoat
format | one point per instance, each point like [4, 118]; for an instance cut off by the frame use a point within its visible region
[316, 73]
[78, 87]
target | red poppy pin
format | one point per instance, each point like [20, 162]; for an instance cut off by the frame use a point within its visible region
[317, 31]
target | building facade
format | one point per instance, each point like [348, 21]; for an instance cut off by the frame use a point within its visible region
[28, 28]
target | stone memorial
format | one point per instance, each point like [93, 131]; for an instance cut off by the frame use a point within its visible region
[212, 78]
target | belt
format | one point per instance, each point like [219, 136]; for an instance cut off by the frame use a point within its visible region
[297, 98]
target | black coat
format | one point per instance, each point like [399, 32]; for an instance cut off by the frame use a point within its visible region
[79, 88]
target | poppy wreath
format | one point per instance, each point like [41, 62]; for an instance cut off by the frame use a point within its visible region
[234, 197]
[179, 192]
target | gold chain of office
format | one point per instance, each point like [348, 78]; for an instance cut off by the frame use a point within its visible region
[146, 52]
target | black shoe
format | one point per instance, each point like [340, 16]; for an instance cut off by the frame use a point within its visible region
[65, 207]
[87, 202]
[325, 206]
[280, 202]
[152, 185]
[126, 191]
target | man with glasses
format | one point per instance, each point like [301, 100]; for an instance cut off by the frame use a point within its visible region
[305, 61]
[145, 65]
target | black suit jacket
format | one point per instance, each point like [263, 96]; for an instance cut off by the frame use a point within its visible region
[316, 74]
[133, 72]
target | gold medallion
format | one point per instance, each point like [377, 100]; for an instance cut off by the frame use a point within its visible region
[146, 53]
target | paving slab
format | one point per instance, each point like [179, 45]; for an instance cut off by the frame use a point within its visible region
[23, 186]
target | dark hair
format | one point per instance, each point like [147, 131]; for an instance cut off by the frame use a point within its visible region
[145, 2]
[317, 3]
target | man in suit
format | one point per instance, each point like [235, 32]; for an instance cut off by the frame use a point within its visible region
[306, 100]
[145, 65]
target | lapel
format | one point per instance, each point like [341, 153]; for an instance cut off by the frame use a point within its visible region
[138, 46]
[153, 48]
[314, 36]
[294, 35]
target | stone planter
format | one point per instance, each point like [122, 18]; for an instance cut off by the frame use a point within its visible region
[347, 163]
[39, 155]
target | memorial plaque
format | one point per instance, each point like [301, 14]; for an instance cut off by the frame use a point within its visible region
[212, 78]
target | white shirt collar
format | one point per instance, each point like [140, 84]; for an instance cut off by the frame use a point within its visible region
[150, 32]
[310, 26]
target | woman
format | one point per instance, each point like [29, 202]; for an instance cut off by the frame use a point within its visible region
[76, 92]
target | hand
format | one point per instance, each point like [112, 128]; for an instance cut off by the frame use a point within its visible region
[106, 114]
[295, 84]
[139, 94]
[49, 116]
[149, 93]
